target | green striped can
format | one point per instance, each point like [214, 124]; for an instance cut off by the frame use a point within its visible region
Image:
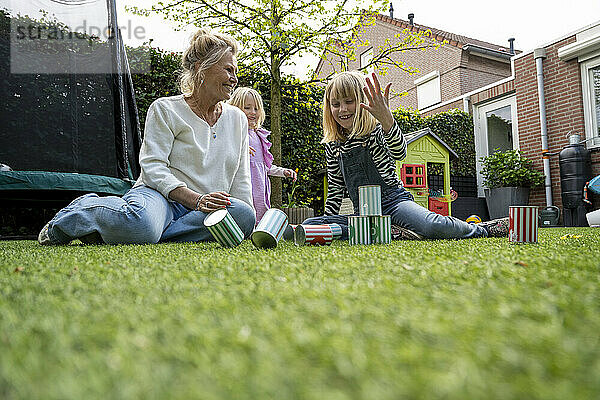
[359, 229]
[224, 228]
[270, 229]
[369, 200]
[381, 229]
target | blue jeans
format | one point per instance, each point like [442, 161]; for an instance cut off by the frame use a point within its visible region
[406, 213]
[141, 216]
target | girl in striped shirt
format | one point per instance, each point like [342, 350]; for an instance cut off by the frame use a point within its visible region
[362, 144]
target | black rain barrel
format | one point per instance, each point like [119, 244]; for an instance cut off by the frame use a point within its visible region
[575, 170]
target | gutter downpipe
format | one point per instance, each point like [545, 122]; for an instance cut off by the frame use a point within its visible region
[539, 55]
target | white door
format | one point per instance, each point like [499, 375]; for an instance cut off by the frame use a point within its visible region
[495, 130]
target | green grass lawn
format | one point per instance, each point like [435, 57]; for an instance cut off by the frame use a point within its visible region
[472, 319]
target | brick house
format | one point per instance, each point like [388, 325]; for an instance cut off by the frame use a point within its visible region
[459, 66]
[506, 113]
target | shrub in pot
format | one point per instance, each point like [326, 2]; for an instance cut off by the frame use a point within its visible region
[508, 177]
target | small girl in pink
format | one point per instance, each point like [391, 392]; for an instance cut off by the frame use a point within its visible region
[261, 159]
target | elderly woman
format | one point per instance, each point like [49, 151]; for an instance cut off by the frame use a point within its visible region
[194, 160]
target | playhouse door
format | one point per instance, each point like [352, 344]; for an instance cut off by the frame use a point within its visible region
[495, 130]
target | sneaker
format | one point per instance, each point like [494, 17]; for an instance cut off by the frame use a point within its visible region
[496, 227]
[400, 233]
[43, 237]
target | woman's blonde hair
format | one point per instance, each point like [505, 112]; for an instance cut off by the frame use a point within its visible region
[238, 98]
[205, 50]
[346, 84]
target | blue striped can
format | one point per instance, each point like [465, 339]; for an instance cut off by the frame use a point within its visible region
[381, 229]
[336, 230]
[270, 229]
[223, 228]
[313, 235]
[288, 233]
[359, 229]
[369, 200]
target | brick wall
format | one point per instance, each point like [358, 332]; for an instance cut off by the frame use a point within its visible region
[479, 72]
[459, 73]
[564, 111]
[495, 91]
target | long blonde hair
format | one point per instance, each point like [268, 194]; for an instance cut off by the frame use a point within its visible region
[205, 50]
[346, 84]
[238, 98]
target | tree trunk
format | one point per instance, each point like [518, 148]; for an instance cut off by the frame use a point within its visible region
[276, 184]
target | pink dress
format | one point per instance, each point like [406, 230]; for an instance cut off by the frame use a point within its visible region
[261, 165]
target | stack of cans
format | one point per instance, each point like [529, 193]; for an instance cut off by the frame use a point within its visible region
[370, 227]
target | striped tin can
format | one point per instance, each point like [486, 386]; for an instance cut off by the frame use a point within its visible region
[313, 235]
[288, 233]
[336, 230]
[523, 224]
[381, 229]
[223, 228]
[369, 200]
[359, 229]
[270, 229]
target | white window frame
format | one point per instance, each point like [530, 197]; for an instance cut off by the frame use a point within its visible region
[365, 58]
[438, 93]
[589, 114]
[481, 137]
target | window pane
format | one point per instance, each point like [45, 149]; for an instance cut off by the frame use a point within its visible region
[429, 93]
[595, 79]
[499, 129]
[365, 59]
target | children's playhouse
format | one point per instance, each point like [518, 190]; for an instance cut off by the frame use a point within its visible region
[426, 170]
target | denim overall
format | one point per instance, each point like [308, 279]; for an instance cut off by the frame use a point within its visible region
[358, 169]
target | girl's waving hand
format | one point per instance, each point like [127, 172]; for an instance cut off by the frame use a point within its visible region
[378, 103]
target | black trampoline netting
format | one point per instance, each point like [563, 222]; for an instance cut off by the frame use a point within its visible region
[65, 89]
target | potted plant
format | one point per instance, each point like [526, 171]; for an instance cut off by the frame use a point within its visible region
[508, 177]
[296, 211]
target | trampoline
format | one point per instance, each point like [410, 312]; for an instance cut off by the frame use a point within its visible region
[69, 121]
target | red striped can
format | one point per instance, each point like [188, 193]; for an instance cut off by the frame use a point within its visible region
[313, 235]
[523, 224]
[223, 228]
[270, 229]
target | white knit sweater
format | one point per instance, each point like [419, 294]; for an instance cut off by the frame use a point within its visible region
[180, 150]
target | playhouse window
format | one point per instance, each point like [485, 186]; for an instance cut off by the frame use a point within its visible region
[413, 175]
